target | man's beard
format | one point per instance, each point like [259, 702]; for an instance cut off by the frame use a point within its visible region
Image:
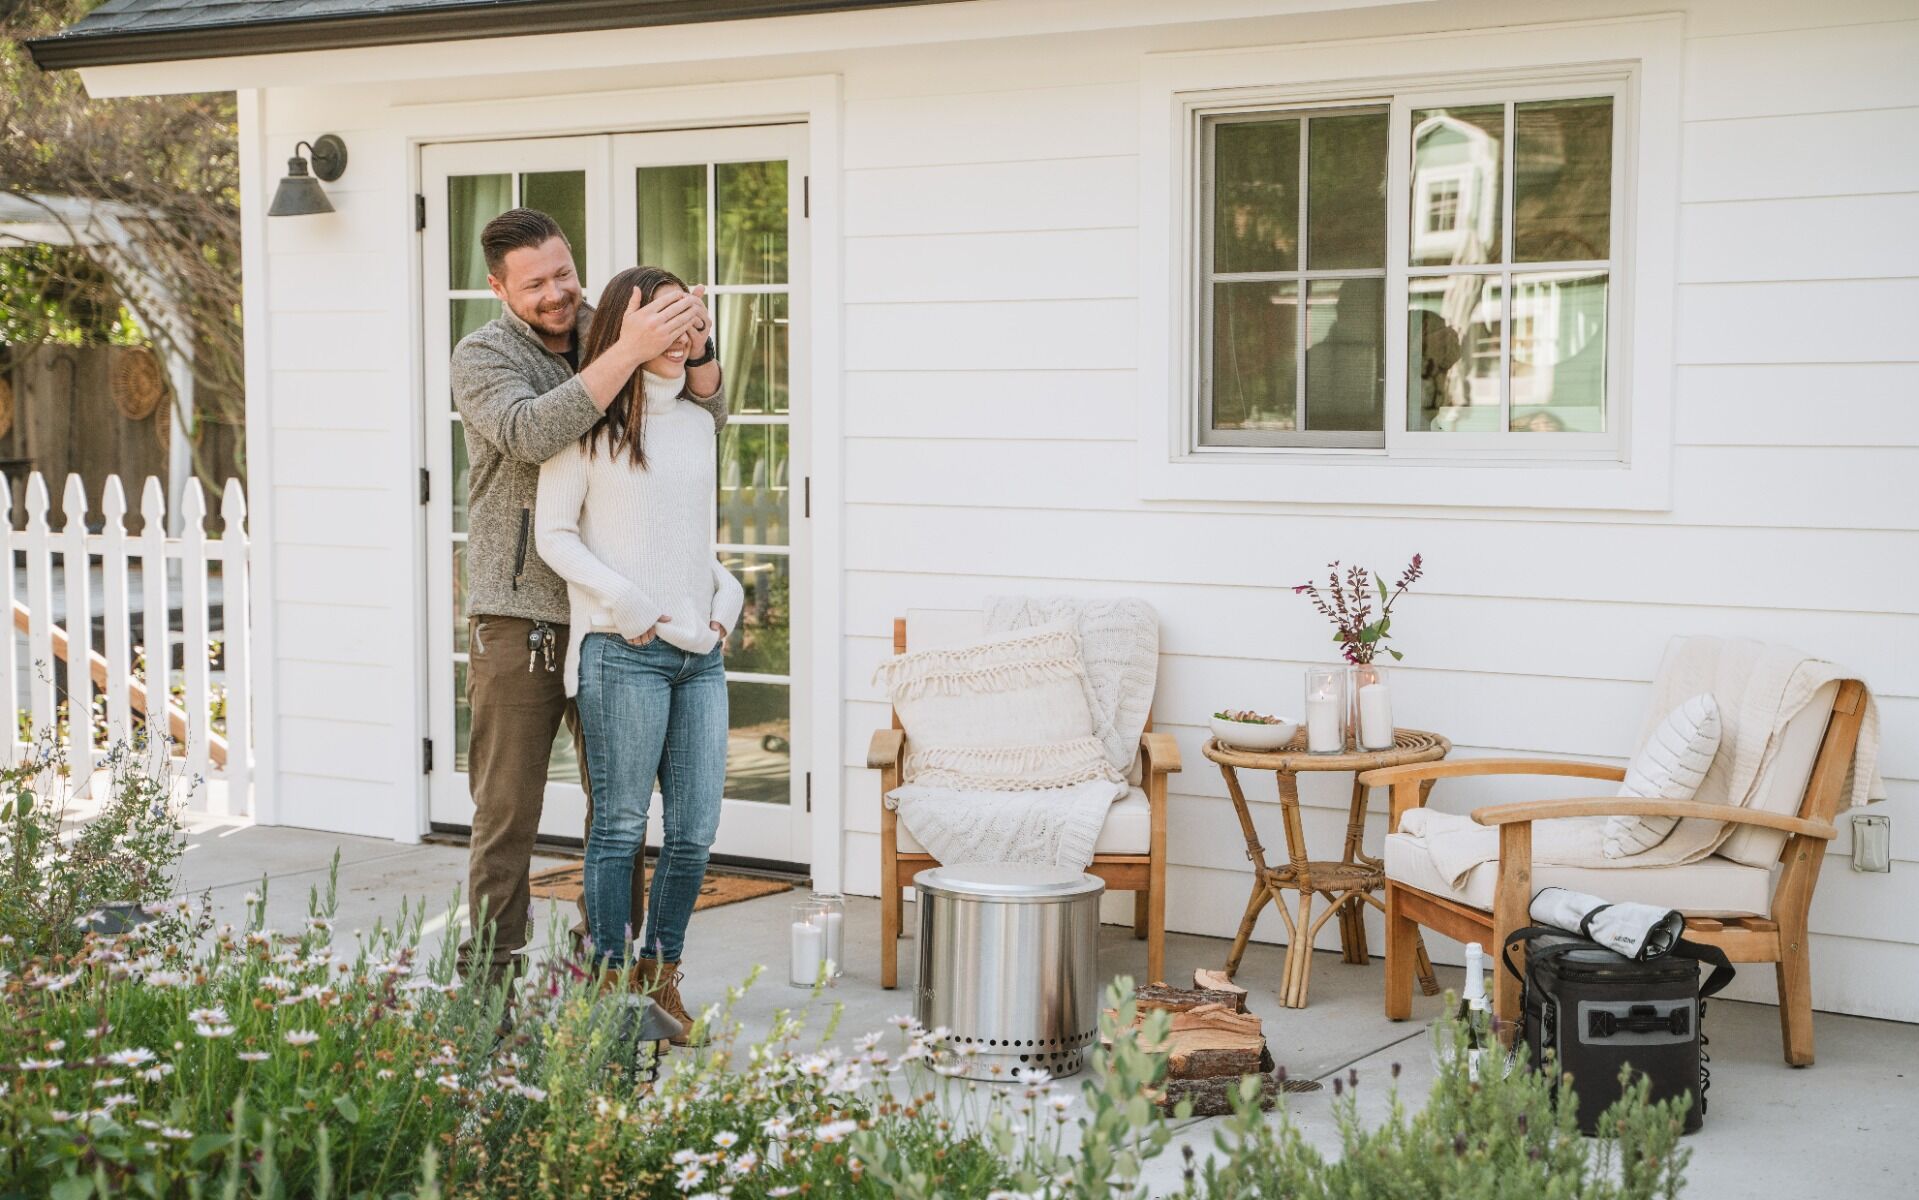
[553, 322]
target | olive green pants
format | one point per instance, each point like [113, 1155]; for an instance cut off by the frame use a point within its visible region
[516, 715]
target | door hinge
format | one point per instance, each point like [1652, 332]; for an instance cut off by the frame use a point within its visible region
[426, 756]
[806, 195]
[426, 485]
[419, 211]
[806, 509]
[809, 791]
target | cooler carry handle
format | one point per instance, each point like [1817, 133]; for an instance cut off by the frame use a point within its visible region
[1712, 956]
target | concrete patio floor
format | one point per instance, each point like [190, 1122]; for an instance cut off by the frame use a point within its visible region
[1841, 1128]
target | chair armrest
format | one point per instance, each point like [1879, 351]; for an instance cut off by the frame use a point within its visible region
[1160, 753]
[1627, 806]
[885, 749]
[1466, 768]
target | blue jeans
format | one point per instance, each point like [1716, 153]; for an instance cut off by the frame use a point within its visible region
[647, 712]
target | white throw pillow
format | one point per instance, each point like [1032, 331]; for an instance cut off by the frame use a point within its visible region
[1670, 766]
[1006, 713]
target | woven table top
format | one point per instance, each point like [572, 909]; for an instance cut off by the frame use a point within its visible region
[1409, 746]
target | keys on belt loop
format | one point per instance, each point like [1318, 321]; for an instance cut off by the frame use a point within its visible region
[540, 641]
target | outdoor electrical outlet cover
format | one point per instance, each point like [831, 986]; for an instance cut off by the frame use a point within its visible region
[1872, 843]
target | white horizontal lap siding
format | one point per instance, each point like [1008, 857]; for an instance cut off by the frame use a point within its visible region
[981, 460]
[340, 403]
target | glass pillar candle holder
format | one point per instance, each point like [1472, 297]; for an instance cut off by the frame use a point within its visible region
[830, 915]
[1371, 707]
[807, 945]
[1326, 715]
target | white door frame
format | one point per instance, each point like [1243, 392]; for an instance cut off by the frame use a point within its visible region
[815, 100]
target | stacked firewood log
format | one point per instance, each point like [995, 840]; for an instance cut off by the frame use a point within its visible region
[1212, 1044]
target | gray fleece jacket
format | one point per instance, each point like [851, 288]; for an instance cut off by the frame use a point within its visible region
[521, 404]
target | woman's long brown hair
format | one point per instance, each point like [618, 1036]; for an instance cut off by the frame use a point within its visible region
[623, 423]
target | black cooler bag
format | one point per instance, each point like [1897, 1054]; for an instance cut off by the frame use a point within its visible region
[1590, 1013]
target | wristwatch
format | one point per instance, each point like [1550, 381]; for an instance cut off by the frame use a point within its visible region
[709, 356]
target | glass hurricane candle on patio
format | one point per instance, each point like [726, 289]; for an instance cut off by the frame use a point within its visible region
[808, 950]
[830, 916]
[1325, 710]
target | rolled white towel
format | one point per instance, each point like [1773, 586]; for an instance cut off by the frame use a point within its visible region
[1639, 931]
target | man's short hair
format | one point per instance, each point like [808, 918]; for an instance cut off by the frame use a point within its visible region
[515, 229]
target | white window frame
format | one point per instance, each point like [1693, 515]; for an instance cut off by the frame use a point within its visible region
[1638, 60]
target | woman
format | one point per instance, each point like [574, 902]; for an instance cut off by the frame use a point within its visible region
[625, 517]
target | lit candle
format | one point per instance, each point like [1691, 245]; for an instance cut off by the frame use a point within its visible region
[832, 921]
[1375, 717]
[1322, 726]
[809, 950]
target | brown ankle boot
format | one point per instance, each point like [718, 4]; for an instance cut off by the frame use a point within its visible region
[661, 982]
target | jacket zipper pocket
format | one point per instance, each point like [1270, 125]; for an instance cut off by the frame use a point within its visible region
[519, 551]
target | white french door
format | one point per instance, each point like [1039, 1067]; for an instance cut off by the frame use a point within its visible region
[716, 206]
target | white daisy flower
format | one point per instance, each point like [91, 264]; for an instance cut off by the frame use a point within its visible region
[301, 1037]
[111, 1081]
[208, 1016]
[253, 1056]
[178, 1135]
[40, 1064]
[726, 1139]
[745, 1164]
[137, 1056]
[383, 1073]
[213, 1031]
[56, 1045]
[684, 1155]
[835, 1131]
[691, 1176]
[157, 1072]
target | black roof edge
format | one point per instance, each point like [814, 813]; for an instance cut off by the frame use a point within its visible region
[456, 22]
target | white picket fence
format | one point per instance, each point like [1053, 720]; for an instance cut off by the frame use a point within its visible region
[215, 767]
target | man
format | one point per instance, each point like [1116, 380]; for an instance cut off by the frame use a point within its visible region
[523, 397]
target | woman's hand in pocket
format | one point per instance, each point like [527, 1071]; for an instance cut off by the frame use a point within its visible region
[650, 634]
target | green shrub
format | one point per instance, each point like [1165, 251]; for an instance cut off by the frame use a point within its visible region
[1500, 1131]
[53, 879]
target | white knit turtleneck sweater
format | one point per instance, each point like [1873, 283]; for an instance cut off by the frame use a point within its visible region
[634, 545]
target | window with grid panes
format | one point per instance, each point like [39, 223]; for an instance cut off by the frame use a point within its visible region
[1501, 283]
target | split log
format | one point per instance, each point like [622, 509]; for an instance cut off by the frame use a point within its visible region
[1211, 1041]
[1207, 980]
[1214, 1097]
[1150, 996]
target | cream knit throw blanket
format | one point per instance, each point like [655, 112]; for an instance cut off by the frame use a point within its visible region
[1759, 689]
[1119, 643]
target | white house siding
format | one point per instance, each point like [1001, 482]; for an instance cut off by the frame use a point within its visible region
[990, 401]
[989, 408]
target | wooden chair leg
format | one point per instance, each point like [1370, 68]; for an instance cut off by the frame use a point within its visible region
[1156, 933]
[1795, 995]
[1139, 913]
[1510, 901]
[1402, 940]
[891, 898]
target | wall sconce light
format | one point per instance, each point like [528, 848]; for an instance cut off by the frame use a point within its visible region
[298, 194]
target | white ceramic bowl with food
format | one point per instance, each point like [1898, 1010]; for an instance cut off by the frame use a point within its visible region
[1253, 731]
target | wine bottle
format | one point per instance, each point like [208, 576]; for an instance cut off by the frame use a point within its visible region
[1474, 1013]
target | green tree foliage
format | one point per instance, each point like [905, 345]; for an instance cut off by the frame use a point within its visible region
[172, 162]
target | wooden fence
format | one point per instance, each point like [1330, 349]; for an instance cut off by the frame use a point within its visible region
[146, 576]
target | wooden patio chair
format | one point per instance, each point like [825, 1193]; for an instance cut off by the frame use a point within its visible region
[1750, 899]
[1130, 855]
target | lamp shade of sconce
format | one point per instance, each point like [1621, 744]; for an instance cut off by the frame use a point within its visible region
[300, 193]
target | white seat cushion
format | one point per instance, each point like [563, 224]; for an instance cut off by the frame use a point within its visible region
[1128, 828]
[1711, 887]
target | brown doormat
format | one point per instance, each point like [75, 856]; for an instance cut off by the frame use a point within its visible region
[567, 881]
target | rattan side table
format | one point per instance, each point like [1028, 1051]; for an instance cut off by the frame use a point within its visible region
[1347, 882]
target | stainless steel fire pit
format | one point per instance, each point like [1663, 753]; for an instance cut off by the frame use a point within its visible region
[1009, 961]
